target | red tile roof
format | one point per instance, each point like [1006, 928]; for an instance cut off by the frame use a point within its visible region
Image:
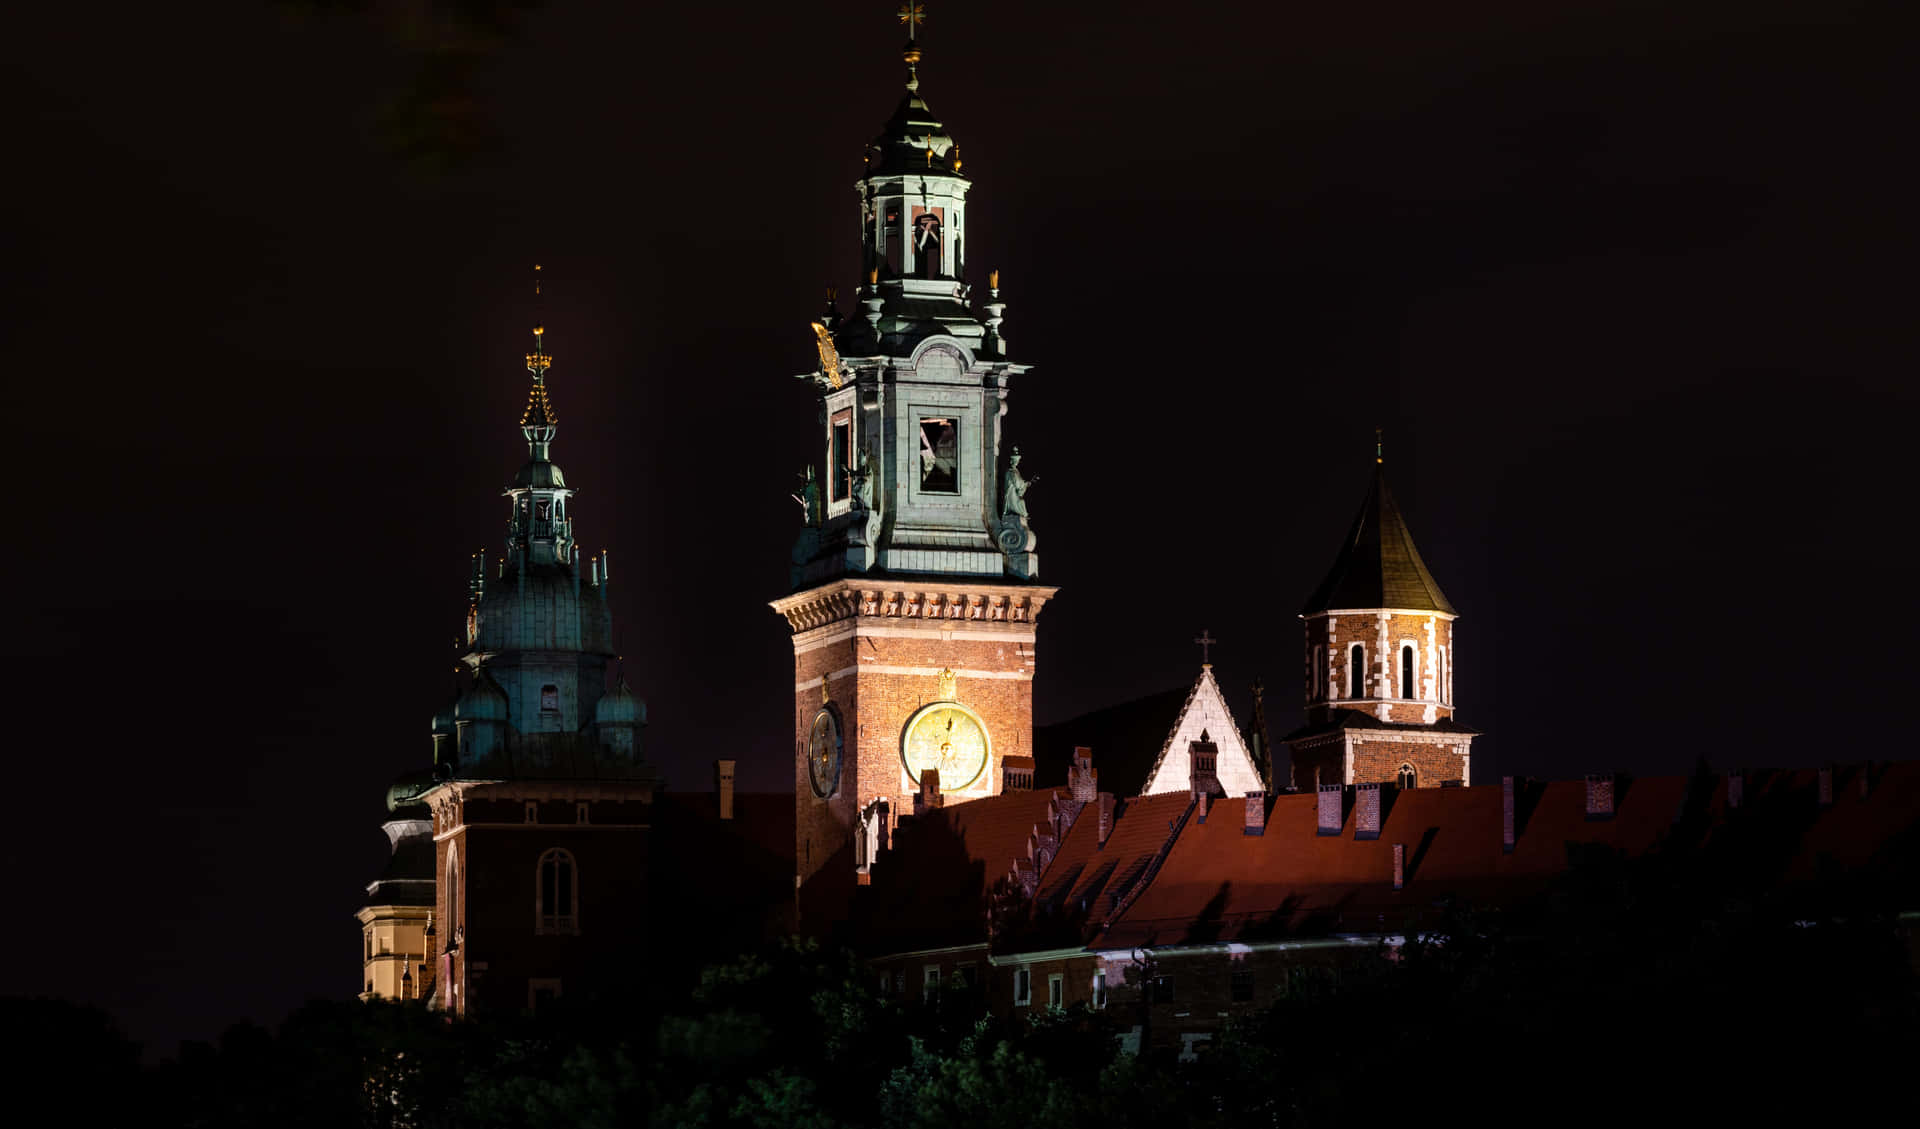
[930, 889]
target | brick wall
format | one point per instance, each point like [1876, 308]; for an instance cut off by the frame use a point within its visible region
[1329, 642]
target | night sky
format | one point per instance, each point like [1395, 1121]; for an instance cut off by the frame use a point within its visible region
[1629, 287]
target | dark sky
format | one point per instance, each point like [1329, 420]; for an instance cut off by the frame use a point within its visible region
[1628, 285]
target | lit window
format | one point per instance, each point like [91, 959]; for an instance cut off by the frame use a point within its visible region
[1056, 990]
[549, 698]
[557, 898]
[1357, 672]
[1408, 778]
[1406, 672]
[940, 455]
[1022, 987]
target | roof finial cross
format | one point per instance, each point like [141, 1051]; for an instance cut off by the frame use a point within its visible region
[913, 15]
[1206, 641]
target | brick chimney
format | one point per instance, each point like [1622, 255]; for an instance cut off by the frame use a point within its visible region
[1599, 795]
[1507, 805]
[1329, 815]
[929, 794]
[1082, 779]
[1104, 805]
[1256, 814]
[1366, 811]
[1736, 789]
[1202, 755]
[1826, 785]
[723, 785]
[1399, 865]
[1016, 773]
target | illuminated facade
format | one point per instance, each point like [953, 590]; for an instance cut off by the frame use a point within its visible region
[915, 572]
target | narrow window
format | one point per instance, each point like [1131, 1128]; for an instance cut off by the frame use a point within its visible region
[1162, 989]
[580, 813]
[899, 981]
[368, 937]
[929, 982]
[453, 896]
[1099, 988]
[840, 455]
[1317, 677]
[1022, 987]
[1056, 990]
[1408, 778]
[533, 812]
[557, 900]
[1357, 672]
[1242, 982]
[549, 698]
[1406, 672]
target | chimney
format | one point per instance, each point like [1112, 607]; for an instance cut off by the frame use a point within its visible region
[1826, 785]
[1366, 811]
[1506, 815]
[1082, 780]
[1256, 814]
[723, 779]
[1201, 756]
[1736, 789]
[929, 794]
[1016, 774]
[1599, 795]
[1330, 815]
[1105, 804]
[1399, 865]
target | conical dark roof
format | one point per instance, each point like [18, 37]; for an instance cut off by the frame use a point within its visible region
[1378, 565]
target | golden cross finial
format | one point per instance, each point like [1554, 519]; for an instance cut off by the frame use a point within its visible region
[913, 15]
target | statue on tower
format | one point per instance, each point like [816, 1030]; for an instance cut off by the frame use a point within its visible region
[1012, 533]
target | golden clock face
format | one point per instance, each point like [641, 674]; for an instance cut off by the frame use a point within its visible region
[949, 737]
[823, 754]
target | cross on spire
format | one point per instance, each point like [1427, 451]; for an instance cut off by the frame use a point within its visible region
[913, 15]
[1206, 641]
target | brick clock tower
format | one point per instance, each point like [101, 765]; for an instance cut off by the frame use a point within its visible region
[1379, 664]
[915, 573]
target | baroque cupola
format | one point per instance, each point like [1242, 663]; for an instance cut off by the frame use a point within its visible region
[913, 385]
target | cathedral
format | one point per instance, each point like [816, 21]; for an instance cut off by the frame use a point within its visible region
[1157, 855]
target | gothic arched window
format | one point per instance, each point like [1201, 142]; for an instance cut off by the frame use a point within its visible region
[1408, 777]
[557, 894]
[1406, 671]
[1357, 672]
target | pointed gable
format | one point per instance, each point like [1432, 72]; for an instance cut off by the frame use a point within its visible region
[1204, 717]
[1378, 565]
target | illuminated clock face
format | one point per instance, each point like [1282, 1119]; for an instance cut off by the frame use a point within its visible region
[948, 737]
[823, 753]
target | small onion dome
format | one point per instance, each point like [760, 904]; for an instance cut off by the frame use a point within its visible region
[540, 474]
[403, 798]
[483, 701]
[619, 707]
[443, 721]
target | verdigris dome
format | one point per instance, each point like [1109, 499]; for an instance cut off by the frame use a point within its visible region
[540, 474]
[483, 701]
[443, 721]
[620, 707]
[403, 797]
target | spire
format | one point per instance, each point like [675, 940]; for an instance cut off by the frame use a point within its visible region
[913, 140]
[1378, 566]
[538, 423]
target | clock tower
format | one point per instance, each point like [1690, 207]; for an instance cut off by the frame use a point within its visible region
[915, 576]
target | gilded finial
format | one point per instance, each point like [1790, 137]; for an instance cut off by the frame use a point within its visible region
[913, 15]
[539, 411]
[1379, 452]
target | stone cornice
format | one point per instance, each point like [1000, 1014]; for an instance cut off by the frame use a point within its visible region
[951, 600]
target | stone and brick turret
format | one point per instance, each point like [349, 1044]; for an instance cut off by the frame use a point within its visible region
[1379, 663]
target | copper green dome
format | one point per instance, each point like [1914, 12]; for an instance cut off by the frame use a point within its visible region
[619, 707]
[483, 701]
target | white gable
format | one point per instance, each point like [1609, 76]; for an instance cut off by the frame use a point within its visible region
[1205, 712]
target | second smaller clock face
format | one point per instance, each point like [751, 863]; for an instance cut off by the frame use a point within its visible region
[948, 738]
[823, 754]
